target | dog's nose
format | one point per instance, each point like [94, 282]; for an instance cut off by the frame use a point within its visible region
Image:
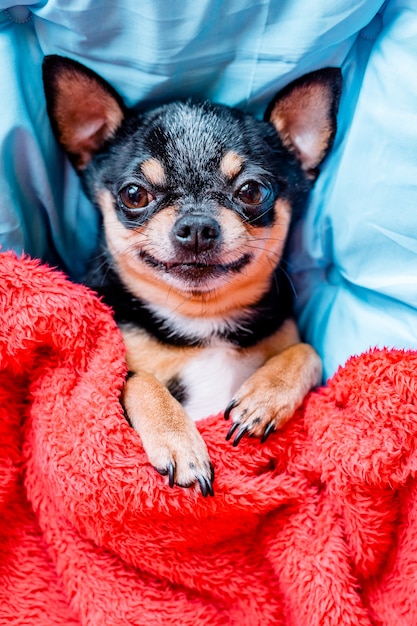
[197, 232]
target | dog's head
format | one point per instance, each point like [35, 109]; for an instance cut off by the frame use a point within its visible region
[196, 198]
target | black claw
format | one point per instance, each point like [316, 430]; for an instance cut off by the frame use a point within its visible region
[268, 430]
[171, 474]
[232, 430]
[211, 473]
[230, 408]
[205, 486]
[239, 436]
[210, 489]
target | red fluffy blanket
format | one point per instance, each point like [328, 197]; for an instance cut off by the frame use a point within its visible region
[318, 526]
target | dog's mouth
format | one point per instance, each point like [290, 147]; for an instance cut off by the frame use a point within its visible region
[196, 272]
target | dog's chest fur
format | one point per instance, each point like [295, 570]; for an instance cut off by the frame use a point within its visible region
[203, 374]
[202, 379]
[210, 380]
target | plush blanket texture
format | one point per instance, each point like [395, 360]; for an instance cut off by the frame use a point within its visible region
[316, 527]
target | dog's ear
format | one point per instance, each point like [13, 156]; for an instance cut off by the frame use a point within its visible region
[84, 109]
[304, 115]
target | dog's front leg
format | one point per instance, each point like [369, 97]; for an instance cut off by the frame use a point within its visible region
[170, 438]
[268, 399]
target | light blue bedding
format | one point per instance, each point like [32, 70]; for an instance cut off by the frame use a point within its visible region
[354, 257]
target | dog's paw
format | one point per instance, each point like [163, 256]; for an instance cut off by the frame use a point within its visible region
[183, 457]
[259, 408]
[169, 436]
[269, 398]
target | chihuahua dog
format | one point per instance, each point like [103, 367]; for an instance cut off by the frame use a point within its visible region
[196, 202]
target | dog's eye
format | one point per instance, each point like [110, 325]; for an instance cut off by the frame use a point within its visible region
[135, 197]
[252, 193]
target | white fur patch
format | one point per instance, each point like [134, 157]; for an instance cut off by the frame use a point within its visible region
[212, 378]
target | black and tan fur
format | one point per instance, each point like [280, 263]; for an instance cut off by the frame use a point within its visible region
[196, 202]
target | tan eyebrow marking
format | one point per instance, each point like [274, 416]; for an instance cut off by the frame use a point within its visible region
[154, 172]
[231, 164]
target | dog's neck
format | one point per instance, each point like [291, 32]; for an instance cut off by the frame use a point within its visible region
[243, 329]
